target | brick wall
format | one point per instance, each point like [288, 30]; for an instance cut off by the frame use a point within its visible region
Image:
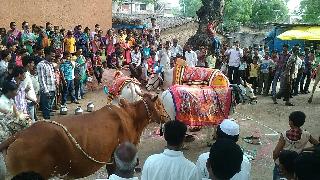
[66, 13]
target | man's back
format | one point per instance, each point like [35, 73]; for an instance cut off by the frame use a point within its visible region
[169, 165]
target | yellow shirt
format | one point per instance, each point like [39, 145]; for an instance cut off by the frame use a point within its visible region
[254, 68]
[70, 44]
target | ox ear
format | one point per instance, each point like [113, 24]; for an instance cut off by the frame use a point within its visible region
[123, 103]
[154, 98]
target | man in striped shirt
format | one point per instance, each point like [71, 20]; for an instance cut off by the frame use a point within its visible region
[47, 82]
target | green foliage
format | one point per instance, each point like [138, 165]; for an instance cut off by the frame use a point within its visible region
[310, 11]
[264, 11]
[237, 12]
[189, 8]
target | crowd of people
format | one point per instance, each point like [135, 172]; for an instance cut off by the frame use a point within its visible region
[42, 67]
[225, 160]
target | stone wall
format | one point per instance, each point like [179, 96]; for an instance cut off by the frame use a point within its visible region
[182, 33]
[66, 13]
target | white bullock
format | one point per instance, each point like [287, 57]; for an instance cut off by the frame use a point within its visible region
[121, 86]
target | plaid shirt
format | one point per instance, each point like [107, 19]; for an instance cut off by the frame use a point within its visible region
[46, 75]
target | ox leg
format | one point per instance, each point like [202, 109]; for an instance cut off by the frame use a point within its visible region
[314, 88]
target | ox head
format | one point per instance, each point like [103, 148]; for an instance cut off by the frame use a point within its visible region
[154, 108]
[154, 81]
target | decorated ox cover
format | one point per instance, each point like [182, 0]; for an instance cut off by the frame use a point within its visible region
[118, 84]
[185, 75]
[201, 106]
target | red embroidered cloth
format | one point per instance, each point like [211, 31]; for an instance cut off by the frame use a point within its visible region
[199, 76]
[118, 85]
[201, 106]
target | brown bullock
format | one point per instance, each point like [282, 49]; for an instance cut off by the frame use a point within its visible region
[46, 148]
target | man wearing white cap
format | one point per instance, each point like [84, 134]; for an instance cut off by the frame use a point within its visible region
[228, 129]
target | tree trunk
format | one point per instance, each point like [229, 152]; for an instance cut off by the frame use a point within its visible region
[211, 9]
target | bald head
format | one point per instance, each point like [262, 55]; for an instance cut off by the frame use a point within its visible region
[126, 157]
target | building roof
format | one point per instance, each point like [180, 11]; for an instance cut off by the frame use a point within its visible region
[143, 19]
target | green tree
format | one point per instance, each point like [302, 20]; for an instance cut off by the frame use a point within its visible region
[189, 8]
[310, 11]
[264, 11]
[237, 12]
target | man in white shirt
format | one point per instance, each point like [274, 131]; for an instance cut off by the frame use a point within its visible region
[164, 56]
[134, 66]
[171, 164]
[176, 49]
[191, 57]
[125, 157]
[235, 54]
[32, 101]
[228, 129]
[224, 160]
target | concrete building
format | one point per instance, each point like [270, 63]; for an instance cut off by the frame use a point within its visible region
[58, 12]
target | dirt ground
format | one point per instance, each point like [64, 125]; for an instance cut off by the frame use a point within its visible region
[263, 118]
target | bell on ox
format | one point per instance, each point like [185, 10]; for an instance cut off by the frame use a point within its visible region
[63, 110]
[90, 107]
[78, 111]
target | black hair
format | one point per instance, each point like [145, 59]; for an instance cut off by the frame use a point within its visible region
[66, 53]
[287, 158]
[307, 165]
[27, 60]
[4, 54]
[298, 118]
[37, 48]
[225, 158]
[174, 132]
[97, 25]
[9, 86]
[28, 176]
[22, 51]
[17, 71]
[222, 135]
[11, 23]
[48, 50]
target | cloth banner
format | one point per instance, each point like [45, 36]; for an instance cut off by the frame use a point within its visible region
[201, 106]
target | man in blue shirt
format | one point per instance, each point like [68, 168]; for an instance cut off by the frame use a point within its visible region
[67, 75]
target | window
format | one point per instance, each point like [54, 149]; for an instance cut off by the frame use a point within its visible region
[143, 7]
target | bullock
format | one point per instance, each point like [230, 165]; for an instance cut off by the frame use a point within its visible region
[77, 146]
[316, 82]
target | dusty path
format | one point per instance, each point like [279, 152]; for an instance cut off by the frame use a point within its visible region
[264, 118]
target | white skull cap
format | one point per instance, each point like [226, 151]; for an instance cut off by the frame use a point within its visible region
[230, 127]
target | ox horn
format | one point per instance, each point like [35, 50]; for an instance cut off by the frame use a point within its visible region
[139, 93]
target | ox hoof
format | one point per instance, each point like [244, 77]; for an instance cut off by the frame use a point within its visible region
[310, 101]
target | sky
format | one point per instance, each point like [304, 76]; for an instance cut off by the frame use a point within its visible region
[292, 4]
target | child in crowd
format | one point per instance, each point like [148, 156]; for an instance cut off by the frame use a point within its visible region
[97, 66]
[294, 139]
[80, 74]
[70, 43]
[67, 74]
[253, 71]
[264, 74]
[243, 70]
